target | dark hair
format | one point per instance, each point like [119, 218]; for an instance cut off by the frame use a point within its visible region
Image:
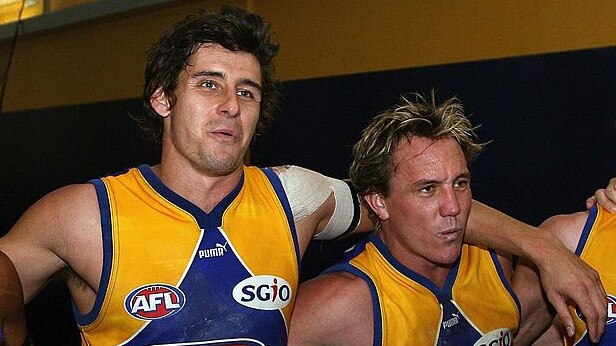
[234, 29]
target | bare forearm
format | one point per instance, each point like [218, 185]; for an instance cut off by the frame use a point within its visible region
[536, 313]
[491, 228]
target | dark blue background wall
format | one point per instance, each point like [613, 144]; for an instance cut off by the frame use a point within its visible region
[551, 120]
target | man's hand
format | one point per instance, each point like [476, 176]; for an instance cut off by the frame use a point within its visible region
[605, 197]
[565, 279]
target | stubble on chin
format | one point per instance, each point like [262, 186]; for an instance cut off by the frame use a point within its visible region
[218, 164]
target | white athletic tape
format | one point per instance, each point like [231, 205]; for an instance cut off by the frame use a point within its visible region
[307, 190]
[343, 211]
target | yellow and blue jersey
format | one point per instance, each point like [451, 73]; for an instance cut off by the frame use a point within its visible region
[173, 274]
[595, 248]
[476, 305]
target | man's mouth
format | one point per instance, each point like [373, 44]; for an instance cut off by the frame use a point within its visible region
[450, 234]
[225, 133]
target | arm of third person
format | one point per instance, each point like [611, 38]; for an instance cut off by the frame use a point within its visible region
[564, 276]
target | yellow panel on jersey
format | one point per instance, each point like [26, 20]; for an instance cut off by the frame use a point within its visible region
[249, 212]
[476, 303]
[175, 274]
[596, 248]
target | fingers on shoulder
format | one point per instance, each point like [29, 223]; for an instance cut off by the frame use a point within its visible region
[606, 197]
[611, 187]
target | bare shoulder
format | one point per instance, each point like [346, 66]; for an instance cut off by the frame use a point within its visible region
[75, 197]
[566, 227]
[63, 210]
[332, 309]
[60, 230]
[338, 290]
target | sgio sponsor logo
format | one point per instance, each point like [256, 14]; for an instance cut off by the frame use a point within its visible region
[154, 301]
[497, 337]
[263, 292]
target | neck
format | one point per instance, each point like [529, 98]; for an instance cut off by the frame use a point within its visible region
[435, 272]
[201, 189]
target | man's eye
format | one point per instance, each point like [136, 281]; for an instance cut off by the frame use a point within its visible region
[461, 184]
[245, 93]
[427, 189]
[208, 84]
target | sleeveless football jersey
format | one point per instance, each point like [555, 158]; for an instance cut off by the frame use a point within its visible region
[173, 274]
[476, 306]
[595, 248]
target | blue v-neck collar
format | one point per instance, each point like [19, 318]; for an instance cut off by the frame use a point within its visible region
[444, 293]
[205, 220]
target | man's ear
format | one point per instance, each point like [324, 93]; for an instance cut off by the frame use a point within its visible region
[160, 102]
[378, 205]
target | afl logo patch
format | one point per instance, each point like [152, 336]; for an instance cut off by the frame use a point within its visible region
[154, 301]
[611, 310]
[263, 292]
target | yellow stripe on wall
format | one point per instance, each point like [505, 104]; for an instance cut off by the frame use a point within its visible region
[104, 59]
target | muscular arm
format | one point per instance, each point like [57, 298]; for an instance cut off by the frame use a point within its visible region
[536, 310]
[322, 207]
[62, 230]
[536, 313]
[568, 229]
[563, 275]
[333, 309]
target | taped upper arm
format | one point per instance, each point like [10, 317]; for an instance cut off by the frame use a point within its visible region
[308, 190]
